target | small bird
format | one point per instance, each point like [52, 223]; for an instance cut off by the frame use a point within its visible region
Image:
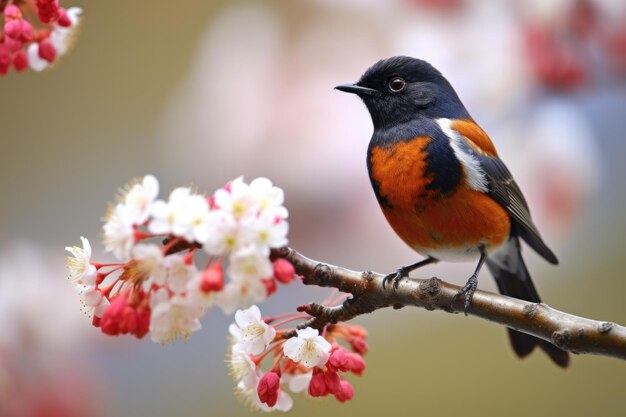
[442, 187]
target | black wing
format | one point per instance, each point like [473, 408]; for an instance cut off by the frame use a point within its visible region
[502, 187]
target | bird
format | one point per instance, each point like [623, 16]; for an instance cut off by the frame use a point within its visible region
[443, 188]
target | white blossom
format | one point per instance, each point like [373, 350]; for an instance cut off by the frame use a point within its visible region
[265, 232]
[172, 318]
[270, 199]
[80, 267]
[242, 368]
[193, 220]
[240, 294]
[150, 263]
[299, 382]
[185, 214]
[224, 234]
[36, 62]
[239, 200]
[249, 264]
[250, 331]
[139, 198]
[179, 273]
[167, 215]
[63, 37]
[92, 300]
[308, 348]
[119, 233]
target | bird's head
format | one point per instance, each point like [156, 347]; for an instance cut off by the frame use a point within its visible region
[397, 90]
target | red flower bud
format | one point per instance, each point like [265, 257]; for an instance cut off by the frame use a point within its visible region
[212, 278]
[19, 29]
[332, 381]
[317, 386]
[47, 51]
[268, 387]
[47, 10]
[63, 19]
[338, 360]
[20, 60]
[120, 317]
[346, 393]
[270, 286]
[356, 363]
[284, 271]
[359, 344]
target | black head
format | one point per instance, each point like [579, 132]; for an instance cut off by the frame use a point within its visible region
[399, 89]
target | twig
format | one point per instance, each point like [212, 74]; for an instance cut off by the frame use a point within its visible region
[566, 331]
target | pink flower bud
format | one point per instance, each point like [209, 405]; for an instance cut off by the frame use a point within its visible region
[19, 29]
[47, 51]
[317, 386]
[268, 387]
[212, 278]
[332, 381]
[12, 12]
[20, 60]
[338, 360]
[359, 344]
[284, 271]
[346, 393]
[356, 363]
[120, 317]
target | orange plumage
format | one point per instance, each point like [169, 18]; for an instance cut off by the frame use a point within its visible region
[456, 223]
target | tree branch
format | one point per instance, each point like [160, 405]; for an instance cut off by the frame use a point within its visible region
[566, 331]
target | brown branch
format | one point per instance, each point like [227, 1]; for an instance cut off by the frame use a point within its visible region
[568, 332]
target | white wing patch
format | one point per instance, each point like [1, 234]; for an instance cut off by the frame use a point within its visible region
[475, 176]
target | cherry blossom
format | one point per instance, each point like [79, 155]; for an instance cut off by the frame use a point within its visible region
[28, 42]
[250, 331]
[80, 267]
[172, 317]
[305, 361]
[308, 348]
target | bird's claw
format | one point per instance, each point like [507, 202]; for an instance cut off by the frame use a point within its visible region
[396, 277]
[468, 291]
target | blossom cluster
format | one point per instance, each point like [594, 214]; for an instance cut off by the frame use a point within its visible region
[25, 43]
[158, 287]
[306, 362]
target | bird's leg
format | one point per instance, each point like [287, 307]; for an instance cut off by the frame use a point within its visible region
[403, 271]
[470, 286]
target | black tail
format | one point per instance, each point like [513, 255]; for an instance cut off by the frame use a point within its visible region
[513, 279]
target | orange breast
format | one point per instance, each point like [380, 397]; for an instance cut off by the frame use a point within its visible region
[400, 171]
[459, 222]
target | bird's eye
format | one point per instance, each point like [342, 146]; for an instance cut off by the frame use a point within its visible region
[397, 84]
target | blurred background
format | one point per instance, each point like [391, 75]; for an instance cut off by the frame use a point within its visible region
[201, 92]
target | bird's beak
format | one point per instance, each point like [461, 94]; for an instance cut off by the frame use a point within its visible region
[356, 89]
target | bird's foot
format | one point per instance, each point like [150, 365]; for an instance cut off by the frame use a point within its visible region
[468, 291]
[396, 277]
[403, 272]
